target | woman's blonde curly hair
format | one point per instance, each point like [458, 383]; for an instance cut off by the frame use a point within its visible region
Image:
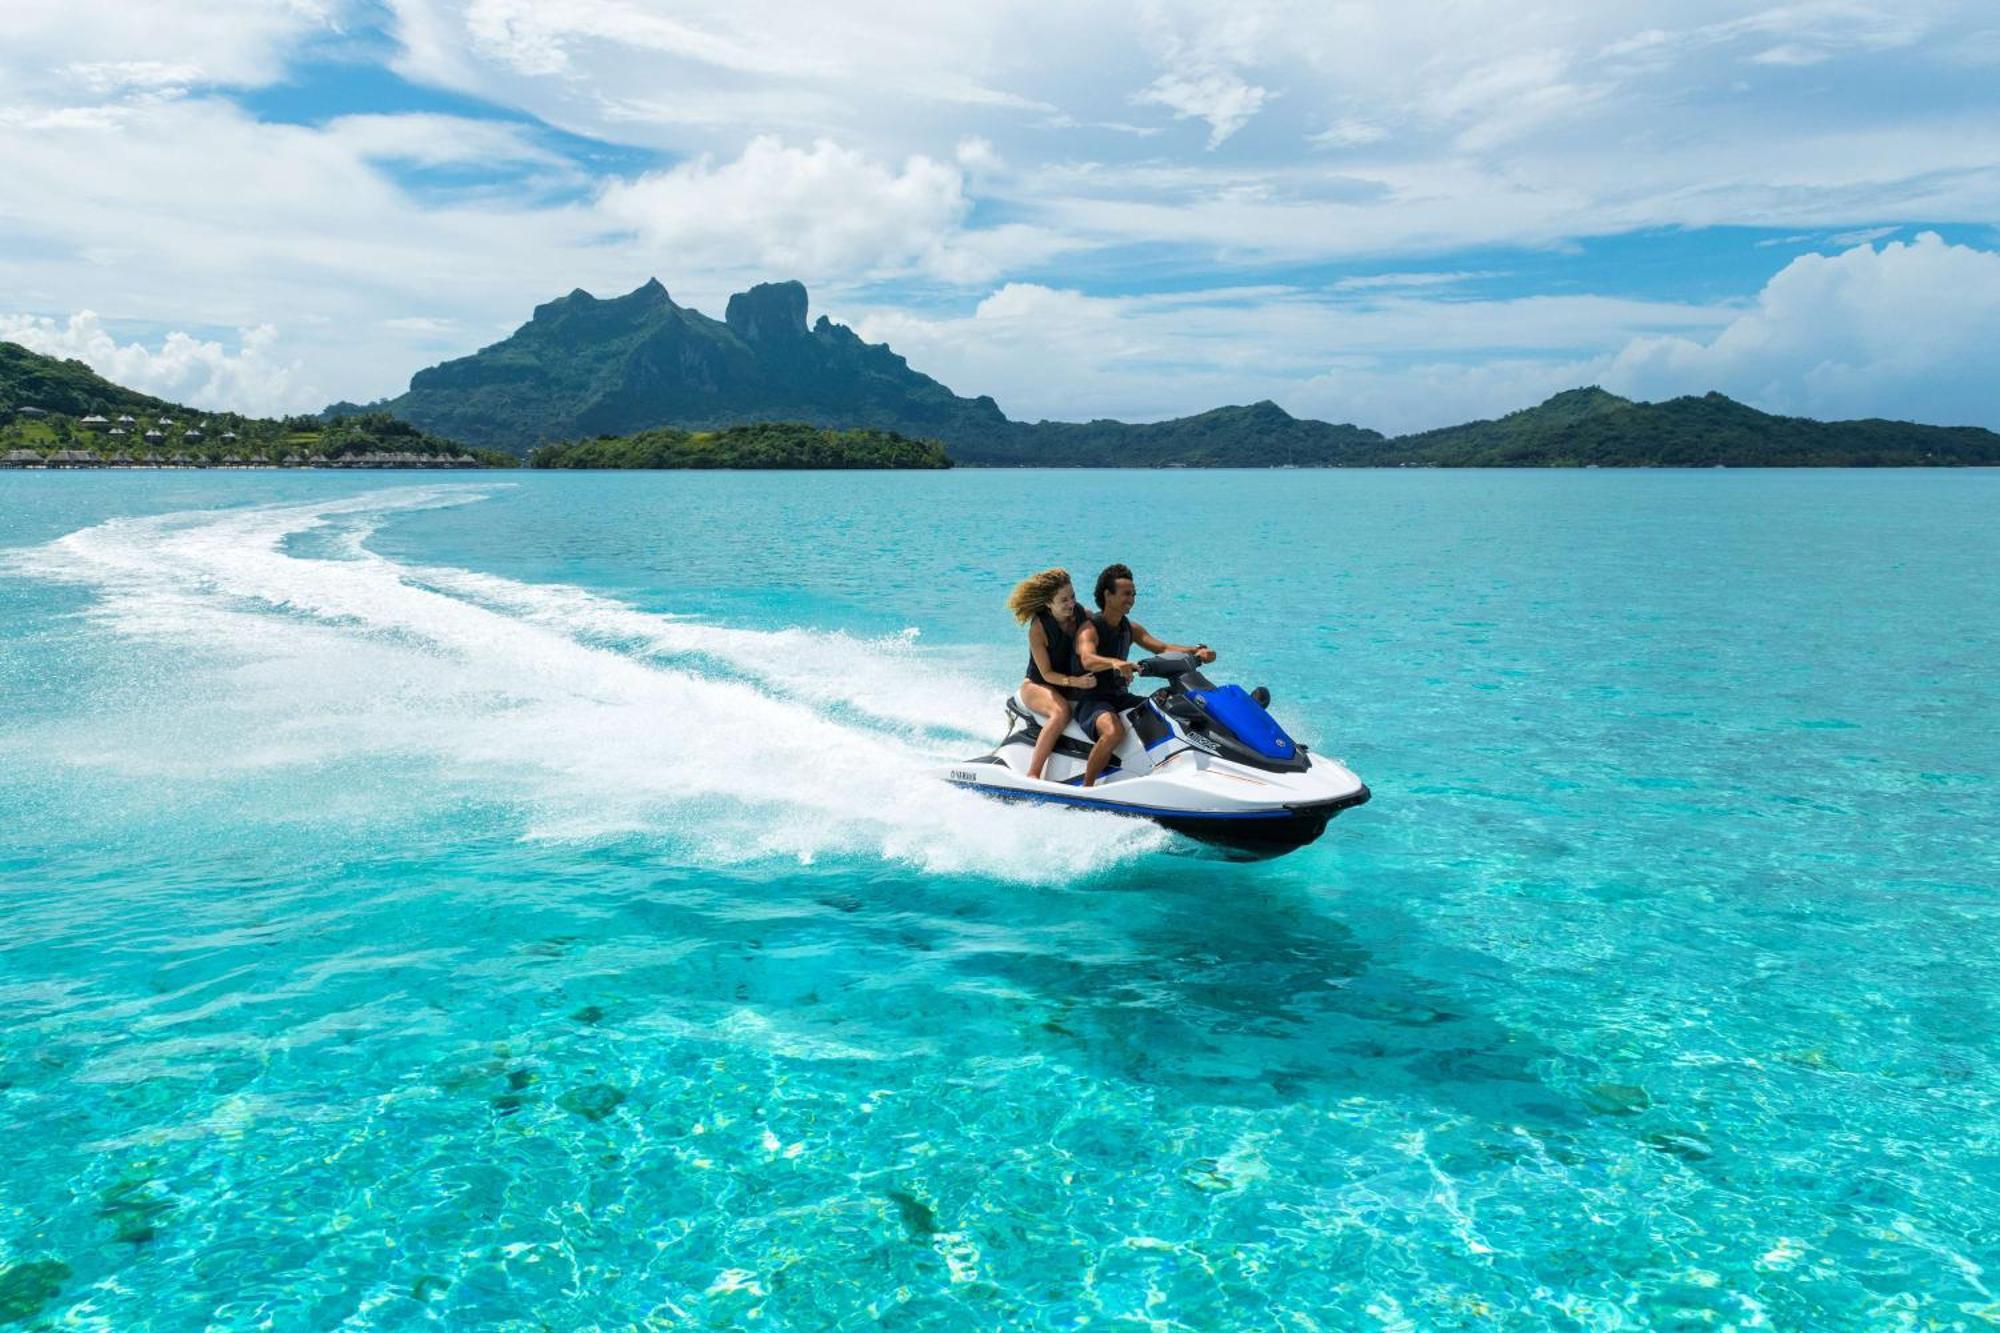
[1036, 591]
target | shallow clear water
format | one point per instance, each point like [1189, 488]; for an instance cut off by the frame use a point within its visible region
[514, 899]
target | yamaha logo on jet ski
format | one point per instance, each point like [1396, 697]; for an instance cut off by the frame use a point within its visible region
[1205, 760]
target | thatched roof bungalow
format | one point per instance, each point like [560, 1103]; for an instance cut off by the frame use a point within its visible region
[21, 458]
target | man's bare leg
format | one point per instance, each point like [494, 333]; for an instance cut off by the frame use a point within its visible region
[1110, 730]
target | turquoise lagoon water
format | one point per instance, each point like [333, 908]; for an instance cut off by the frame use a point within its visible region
[511, 900]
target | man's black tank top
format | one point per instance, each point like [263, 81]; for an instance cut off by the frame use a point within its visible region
[1111, 643]
[1061, 640]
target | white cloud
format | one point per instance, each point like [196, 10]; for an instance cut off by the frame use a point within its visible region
[116, 76]
[978, 156]
[1384, 359]
[1904, 330]
[190, 214]
[429, 324]
[1201, 75]
[1525, 124]
[537, 36]
[735, 71]
[1348, 132]
[1863, 236]
[1219, 96]
[815, 212]
[182, 368]
[1372, 281]
[59, 47]
[1907, 330]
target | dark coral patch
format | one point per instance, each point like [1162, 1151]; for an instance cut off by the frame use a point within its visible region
[592, 1103]
[26, 1288]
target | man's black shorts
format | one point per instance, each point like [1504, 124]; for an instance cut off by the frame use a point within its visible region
[1092, 706]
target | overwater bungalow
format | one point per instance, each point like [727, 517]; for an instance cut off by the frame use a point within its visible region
[21, 458]
[178, 459]
[72, 458]
[118, 460]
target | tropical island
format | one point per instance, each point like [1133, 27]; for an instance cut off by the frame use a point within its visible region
[57, 413]
[639, 381]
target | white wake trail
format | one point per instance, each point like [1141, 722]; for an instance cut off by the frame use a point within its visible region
[590, 717]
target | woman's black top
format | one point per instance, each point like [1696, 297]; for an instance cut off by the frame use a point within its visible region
[1061, 640]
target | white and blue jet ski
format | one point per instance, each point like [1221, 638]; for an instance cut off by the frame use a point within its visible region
[1205, 760]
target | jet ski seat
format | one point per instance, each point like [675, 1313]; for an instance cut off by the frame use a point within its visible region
[1030, 721]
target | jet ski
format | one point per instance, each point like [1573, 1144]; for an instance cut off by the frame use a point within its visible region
[1205, 760]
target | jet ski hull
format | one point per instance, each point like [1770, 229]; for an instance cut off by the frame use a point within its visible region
[1184, 784]
[1255, 834]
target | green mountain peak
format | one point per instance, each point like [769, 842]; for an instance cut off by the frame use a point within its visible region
[770, 310]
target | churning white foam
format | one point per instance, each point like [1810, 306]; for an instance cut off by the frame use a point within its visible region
[590, 717]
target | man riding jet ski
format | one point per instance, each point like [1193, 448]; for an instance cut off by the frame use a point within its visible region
[1202, 759]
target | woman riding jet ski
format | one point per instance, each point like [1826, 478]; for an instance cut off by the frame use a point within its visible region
[1202, 759]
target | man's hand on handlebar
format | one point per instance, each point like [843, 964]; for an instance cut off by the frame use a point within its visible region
[1126, 669]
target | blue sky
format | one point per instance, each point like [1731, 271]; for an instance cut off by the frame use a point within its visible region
[1400, 215]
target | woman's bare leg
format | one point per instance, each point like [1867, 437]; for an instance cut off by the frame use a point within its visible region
[1054, 710]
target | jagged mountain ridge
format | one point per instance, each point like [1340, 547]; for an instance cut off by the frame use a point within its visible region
[584, 367]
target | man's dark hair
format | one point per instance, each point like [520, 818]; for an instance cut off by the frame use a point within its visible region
[1111, 575]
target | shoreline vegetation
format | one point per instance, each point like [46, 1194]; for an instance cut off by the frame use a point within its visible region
[757, 446]
[60, 414]
[63, 414]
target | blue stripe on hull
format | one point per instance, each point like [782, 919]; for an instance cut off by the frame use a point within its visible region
[1122, 807]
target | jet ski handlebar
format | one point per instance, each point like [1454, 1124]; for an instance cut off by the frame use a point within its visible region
[1168, 666]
